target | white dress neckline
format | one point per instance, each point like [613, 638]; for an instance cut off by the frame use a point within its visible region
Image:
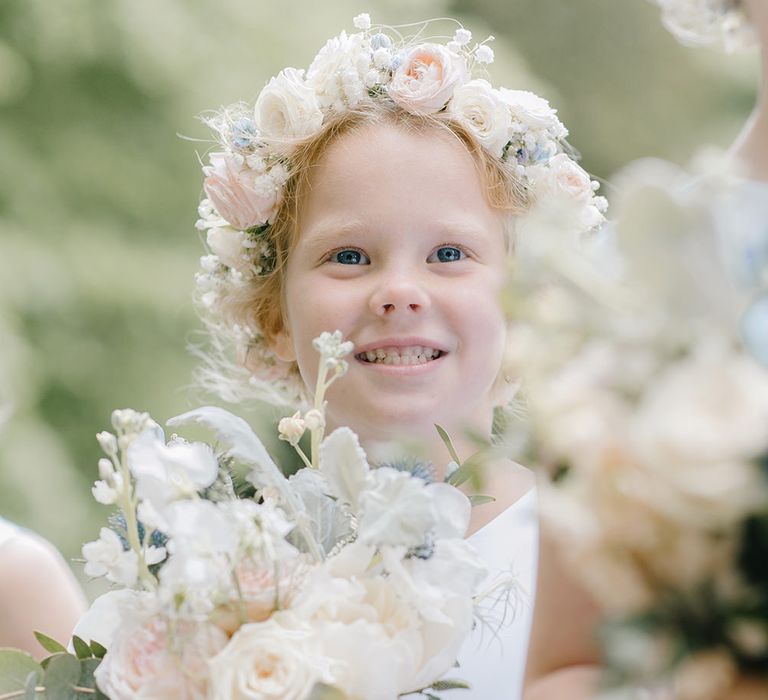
[492, 659]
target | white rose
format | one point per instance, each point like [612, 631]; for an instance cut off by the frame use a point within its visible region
[227, 244]
[338, 72]
[562, 181]
[478, 105]
[533, 111]
[395, 509]
[426, 78]
[699, 428]
[278, 659]
[154, 661]
[287, 110]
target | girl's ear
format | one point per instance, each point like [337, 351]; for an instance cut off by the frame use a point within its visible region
[282, 346]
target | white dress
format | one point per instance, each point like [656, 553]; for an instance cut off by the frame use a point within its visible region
[492, 660]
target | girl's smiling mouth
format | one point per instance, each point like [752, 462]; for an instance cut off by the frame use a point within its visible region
[410, 355]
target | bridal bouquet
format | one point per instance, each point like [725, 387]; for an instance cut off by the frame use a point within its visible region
[651, 414]
[340, 582]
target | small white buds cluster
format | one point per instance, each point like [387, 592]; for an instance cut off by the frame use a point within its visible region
[291, 428]
[108, 488]
[332, 348]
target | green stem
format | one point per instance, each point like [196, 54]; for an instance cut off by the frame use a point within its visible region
[320, 387]
[128, 505]
[303, 456]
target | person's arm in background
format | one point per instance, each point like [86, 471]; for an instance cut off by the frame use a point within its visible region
[38, 592]
[563, 657]
[751, 146]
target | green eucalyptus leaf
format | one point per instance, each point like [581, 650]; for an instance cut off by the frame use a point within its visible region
[15, 667]
[450, 684]
[87, 668]
[61, 677]
[98, 650]
[50, 644]
[30, 687]
[82, 650]
[449, 445]
[462, 474]
[87, 680]
[477, 500]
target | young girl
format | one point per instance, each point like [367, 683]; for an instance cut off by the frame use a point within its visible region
[378, 195]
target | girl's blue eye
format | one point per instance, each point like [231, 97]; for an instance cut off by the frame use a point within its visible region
[350, 257]
[447, 253]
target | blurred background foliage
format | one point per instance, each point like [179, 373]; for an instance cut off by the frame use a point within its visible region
[98, 192]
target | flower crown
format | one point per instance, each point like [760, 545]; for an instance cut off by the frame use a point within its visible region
[708, 22]
[244, 180]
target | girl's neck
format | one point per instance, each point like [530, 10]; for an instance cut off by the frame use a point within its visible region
[751, 146]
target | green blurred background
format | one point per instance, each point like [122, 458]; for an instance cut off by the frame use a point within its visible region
[98, 192]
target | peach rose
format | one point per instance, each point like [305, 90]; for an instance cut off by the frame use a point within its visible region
[241, 196]
[426, 78]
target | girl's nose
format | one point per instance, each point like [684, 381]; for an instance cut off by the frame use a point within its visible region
[395, 296]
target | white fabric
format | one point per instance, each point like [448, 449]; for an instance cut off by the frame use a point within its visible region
[492, 660]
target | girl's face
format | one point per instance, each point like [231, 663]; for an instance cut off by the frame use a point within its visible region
[399, 249]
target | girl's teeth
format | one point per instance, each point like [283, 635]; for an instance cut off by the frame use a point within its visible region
[415, 355]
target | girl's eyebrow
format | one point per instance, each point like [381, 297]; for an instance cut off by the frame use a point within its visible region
[328, 233]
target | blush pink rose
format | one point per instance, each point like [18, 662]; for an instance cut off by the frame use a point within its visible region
[426, 78]
[241, 196]
[150, 663]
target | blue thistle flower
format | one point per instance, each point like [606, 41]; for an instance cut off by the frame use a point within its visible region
[421, 470]
[424, 550]
[118, 524]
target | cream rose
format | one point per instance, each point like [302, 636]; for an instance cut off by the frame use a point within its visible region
[561, 181]
[140, 662]
[533, 111]
[338, 72]
[278, 659]
[240, 196]
[287, 110]
[697, 432]
[426, 78]
[479, 106]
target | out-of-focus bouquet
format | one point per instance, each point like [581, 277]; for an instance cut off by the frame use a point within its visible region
[340, 582]
[648, 408]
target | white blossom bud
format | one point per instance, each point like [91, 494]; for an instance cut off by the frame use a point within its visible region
[291, 428]
[484, 54]
[462, 36]
[107, 441]
[106, 469]
[362, 21]
[314, 420]
[104, 493]
[382, 58]
[453, 46]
